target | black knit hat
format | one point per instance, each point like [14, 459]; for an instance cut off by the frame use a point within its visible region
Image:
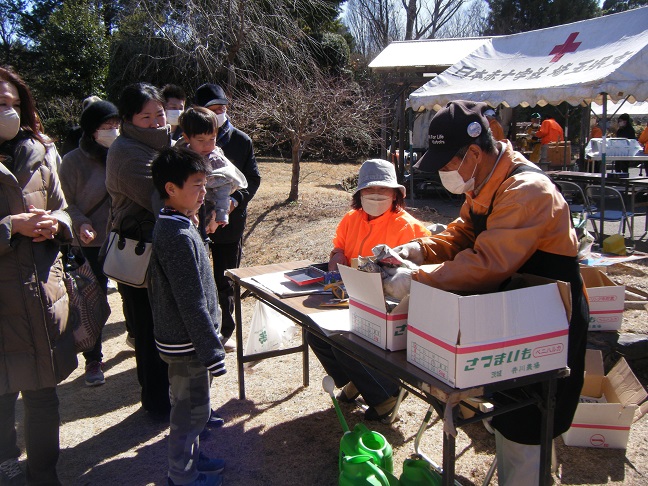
[210, 94]
[95, 114]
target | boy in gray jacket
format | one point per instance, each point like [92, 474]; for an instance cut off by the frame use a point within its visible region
[186, 314]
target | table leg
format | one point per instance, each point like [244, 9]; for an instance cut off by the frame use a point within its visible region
[238, 316]
[305, 365]
[546, 433]
[448, 459]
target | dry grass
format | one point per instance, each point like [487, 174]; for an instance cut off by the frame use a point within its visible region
[283, 433]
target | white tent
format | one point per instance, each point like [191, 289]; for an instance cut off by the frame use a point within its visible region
[617, 108]
[433, 54]
[575, 63]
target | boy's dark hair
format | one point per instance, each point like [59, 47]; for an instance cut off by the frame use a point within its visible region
[173, 91]
[175, 164]
[134, 97]
[197, 120]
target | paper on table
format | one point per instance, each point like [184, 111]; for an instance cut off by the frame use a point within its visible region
[602, 260]
[333, 320]
[278, 283]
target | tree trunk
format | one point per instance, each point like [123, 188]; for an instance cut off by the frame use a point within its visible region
[294, 181]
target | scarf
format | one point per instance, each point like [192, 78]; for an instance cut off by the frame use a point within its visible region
[224, 134]
[155, 138]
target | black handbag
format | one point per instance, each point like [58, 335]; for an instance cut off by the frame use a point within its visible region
[89, 308]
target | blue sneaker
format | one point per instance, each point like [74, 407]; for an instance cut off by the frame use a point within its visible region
[201, 480]
[209, 466]
[215, 421]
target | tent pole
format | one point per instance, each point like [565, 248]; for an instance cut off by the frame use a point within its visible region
[565, 139]
[603, 168]
[412, 157]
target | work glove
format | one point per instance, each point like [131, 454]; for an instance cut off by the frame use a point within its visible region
[396, 282]
[411, 251]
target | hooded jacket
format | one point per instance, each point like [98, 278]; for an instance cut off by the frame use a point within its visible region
[36, 346]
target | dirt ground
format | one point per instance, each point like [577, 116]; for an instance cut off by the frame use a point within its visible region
[285, 433]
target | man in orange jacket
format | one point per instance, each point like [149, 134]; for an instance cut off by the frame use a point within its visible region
[550, 131]
[513, 220]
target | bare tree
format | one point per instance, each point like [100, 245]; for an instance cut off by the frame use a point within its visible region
[302, 111]
[200, 40]
[470, 21]
[374, 23]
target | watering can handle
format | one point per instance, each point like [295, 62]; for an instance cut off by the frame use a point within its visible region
[379, 473]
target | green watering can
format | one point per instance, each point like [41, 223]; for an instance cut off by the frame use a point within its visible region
[361, 471]
[362, 441]
[417, 472]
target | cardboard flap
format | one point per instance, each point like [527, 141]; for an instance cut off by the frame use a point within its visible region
[613, 414]
[564, 288]
[436, 308]
[513, 313]
[641, 411]
[363, 286]
[627, 387]
[402, 307]
[593, 277]
[594, 373]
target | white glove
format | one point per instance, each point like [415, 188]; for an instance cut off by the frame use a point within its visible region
[411, 251]
[396, 282]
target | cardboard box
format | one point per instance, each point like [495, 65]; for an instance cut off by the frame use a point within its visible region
[606, 300]
[469, 340]
[369, 316]
[609, 405]
[556, 154]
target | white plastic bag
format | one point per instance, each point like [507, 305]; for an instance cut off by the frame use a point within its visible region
[268, 330]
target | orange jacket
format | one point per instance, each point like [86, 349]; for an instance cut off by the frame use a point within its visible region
[356, 235]
[496, 129]
[596, 132]
[550, 131]
[643, 139]
[528, 214]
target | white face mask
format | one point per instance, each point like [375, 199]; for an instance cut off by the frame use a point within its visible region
[453, 181]
[173, 116]
[376, 204]
[221, 117]
[9, 124]
[105, 138]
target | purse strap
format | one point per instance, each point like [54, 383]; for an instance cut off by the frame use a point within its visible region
[69, 254]
[94, 208]
[138, 225]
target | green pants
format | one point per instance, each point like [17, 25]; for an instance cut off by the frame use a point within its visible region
[189, 389]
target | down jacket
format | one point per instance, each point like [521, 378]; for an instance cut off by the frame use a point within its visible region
[36, 347]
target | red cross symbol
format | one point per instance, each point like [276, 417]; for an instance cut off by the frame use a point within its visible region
[569, 46]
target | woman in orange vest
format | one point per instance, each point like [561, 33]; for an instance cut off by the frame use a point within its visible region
[377, 217]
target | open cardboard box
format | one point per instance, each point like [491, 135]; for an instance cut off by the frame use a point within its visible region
[606, 300]
[368, 312]
[469, 340]
[609, 405]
